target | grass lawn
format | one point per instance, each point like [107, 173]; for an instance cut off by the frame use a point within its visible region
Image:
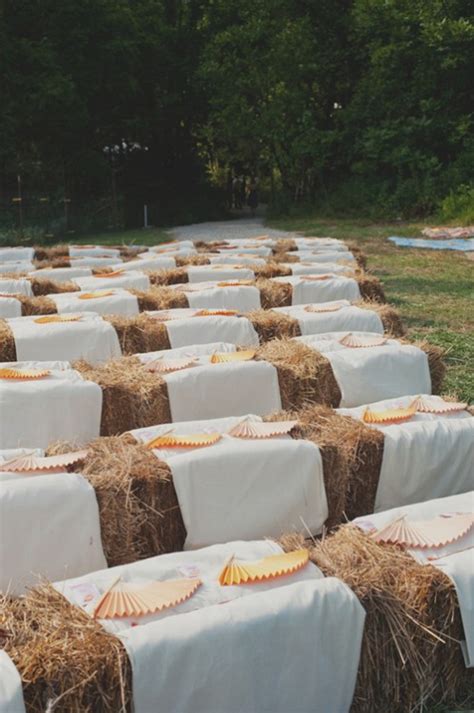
[433, 290]
[139, 236]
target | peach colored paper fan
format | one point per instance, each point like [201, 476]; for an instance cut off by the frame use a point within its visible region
[125, 600]
[223, 357]
[235, 283]
[27, 375]
[260, 429]
[95, 295]
[355, 342]
[194, 440]
[423, 534]
[316, 278]
[388, 416]
[216, 312]
[113, 273]
[164, 317]
[166, 366]
[32, 463]
[422, 404]
[325, 308]
[57, 319]
[267, 568]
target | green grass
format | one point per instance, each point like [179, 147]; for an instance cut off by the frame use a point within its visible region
[433, 290]
[139, 236]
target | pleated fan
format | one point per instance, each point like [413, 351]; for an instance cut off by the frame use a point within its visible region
[223, 357]
[235, 283]
[356, 342]
[95, 295]
[316, 278]
[259, 429]
[423, 534]
[388, 416]
[325, 307]
[193, 440]
[426, 404]
[32, 463]
[267, 568]
[166, 366]
[113, 273]
[216, 313]
[26, 375]
[57, 319]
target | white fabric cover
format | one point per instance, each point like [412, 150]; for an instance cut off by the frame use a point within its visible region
[371, 374]
[50, 528]
[219, 271]
[173, 246]
[91, 338]
[208, 295]
[62, 274]
[249, 497]
[120, 302]
[186, 661]
[317, 268]
[243, 249]
[132, 280]
[191, 350]
[92, 251]
[245, 259]
[349, 317]
[15, 287]
[184, 329]
[338, 256]
[455, 560]
[336, 288]
[96, 262]
[60, 407]
[320, 244]
[16, 266]
[431, 455]
[9, 307]
[17, 254]
[11, 691]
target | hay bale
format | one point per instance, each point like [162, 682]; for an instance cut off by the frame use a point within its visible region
[436, 364]
[410, 650]
[45, 286]
[36, 305]
[285, 245]
[271, 269]
[360, 256]
[370, 288]
[304, 375]
[185, 260]
[67, 661]
[7, 342]
[391, 320]
[62, 261]
[274, 294]
[132, 396]
[157, 298]
[171, 276]
[140, 334]
[47, 253]
[273, 325]
[285, 257]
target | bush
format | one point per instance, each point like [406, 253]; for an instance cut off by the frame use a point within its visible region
[459, 205]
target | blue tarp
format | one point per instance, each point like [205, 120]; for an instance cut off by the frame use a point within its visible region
[448, 244]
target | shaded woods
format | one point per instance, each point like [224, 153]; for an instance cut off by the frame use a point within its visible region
[362, 105]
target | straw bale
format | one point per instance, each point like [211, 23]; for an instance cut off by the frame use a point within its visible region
[359, 254]
[157, 298]
[36, 305]
[132, 396]
[45, 286]
[391, 320]
[171, 276]
[62, 261]
[285, 245]
[271, 325]
[140, 334]
[67, 661]
[270, 269]
[284, 257]
[274, 294]
[305, 376]
[185, 260]
[436, 364]
[51, 252]
[7, 342]
[370, 288]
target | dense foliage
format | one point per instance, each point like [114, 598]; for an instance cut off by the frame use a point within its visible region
[349, 104]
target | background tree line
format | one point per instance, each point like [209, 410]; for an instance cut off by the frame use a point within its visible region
[348, 105]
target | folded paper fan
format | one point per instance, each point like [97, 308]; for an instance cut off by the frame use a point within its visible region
[32, 463]
[27, 375]
[166, 366]
[194, 440]
[163, 317]
[235, 283]
[316, 278]
[113, 273]
[125, 600]
[388, 416]
[328, 307]
[57, 319]
[259, 429]
[223, 357]
[437, 532]
[216, 312]
[425, 404]
[95, 295]
[266, 568]
[355, 342]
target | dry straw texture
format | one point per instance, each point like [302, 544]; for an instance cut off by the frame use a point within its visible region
[7, 343]
[46, 286]
[140, 334]
[170, 276]
[157, 298]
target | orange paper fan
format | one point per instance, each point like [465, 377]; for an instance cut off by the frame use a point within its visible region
[166, 366]
[235, 283]
[334, 307]
[113, 273]
[422, 404]
[355, 342]
[31, 463]
[223, 357]
[390, 415]
[125, 600]
[27, 375]
[259, 429]
[216, 312]
[437, 532]
[316, 278]
[266, 568]
[194, 440]
[95, 295]
[57, 319]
